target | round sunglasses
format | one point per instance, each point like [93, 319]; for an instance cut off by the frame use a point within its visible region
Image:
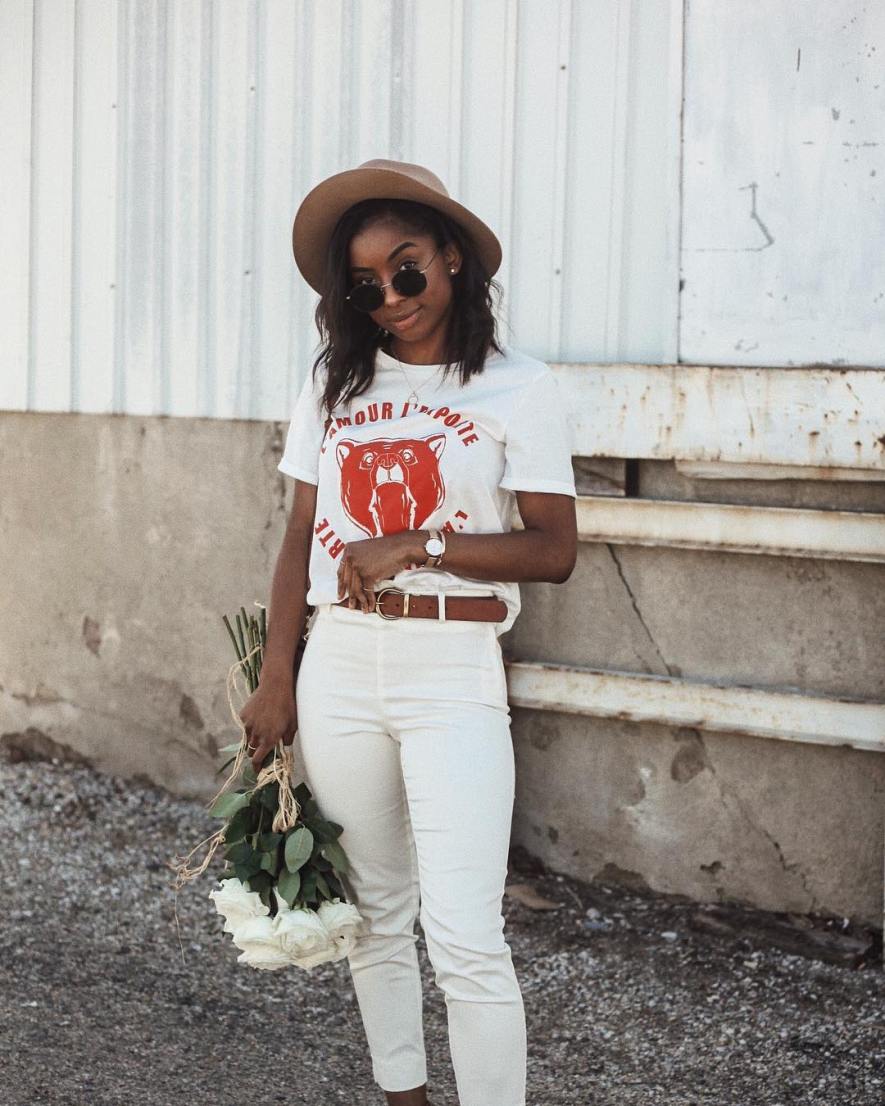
[369, 295]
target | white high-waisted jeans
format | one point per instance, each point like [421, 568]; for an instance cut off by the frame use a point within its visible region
[404, 730]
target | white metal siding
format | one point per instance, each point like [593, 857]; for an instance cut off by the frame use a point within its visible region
[154, 154]
[783, 174]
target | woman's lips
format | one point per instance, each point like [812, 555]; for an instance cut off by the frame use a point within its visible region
[407, 321]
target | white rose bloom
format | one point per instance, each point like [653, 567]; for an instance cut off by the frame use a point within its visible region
[258, 939]
[303, 937]
[344, 922]
[236, 904]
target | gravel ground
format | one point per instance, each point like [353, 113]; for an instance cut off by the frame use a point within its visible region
[626, 1003]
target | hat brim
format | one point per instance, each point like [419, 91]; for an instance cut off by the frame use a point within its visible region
[324, 205]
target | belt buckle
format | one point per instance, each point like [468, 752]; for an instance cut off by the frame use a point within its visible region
[392, 617]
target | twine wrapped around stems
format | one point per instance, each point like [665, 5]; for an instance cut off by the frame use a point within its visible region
[280, 770]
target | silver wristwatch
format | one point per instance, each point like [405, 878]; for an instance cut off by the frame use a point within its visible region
[434, 547]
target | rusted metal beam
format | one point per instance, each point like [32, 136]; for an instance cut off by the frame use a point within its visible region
[827, 416]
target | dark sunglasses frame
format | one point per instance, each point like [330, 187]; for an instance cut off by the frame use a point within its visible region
[368, 296]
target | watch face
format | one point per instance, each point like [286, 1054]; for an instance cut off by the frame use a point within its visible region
[433, 546]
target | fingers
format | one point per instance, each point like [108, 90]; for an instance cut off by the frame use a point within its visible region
[259, 754]
[256, 749]
[346, 574]
[358, 591]
[266, 723]
[344, 577]
[350, 583]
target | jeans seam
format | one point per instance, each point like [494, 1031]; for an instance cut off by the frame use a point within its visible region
[416, 889]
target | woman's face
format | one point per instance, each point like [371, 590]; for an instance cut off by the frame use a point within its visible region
[417, 323]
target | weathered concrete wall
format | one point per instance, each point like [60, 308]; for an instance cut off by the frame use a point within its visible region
[124, 540]
[781, 824]
[713, 816]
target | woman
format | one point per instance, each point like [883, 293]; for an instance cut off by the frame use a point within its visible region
[409, 441]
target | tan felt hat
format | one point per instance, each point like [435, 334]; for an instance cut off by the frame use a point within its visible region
[324, 205]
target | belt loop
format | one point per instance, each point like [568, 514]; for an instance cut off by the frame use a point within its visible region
[441, 606]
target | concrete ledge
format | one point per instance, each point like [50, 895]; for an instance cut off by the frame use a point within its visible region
[733, 528]
[787, 716]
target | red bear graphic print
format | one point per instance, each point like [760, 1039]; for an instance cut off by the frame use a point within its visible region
[391, 484]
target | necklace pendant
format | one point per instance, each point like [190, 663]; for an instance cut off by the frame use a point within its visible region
[409, 398]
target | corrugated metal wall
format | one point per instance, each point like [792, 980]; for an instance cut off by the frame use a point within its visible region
[154, 154]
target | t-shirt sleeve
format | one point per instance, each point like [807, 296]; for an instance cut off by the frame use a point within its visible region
[306, 431]
[537, 441]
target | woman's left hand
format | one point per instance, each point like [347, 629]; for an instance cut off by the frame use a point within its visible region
[365, 562]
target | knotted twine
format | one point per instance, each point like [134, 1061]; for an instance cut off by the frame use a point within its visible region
[280, 770]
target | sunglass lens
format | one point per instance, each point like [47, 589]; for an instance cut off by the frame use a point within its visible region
[409, 282]
[366, 297]
[369, 297]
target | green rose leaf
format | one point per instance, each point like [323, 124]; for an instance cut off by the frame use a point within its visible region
[261, 881]
[288, 885]
[333, 852]
[241, 824]
[336, 887]
[299, 845]
[248, 867]
[269, 795]
[269, 862]
[268, 841]
[323, 887]
[238, 853]
[309, 885]
[321, 829]
[226, 805]
[303, 795]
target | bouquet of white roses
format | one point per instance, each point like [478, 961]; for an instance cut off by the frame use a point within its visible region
[284, 902]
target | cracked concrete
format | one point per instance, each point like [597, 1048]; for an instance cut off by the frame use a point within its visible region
[718, 817]
[753, 823]
[637, 611]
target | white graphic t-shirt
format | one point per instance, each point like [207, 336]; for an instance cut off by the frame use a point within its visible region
[452, 461]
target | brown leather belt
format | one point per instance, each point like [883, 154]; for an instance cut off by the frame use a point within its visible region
[394, 603]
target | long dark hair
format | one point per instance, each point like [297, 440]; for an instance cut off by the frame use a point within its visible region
[350, 339]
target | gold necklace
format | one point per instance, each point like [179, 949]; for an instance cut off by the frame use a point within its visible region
[408, 381]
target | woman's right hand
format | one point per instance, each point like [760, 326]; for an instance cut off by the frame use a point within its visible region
[269, 716]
